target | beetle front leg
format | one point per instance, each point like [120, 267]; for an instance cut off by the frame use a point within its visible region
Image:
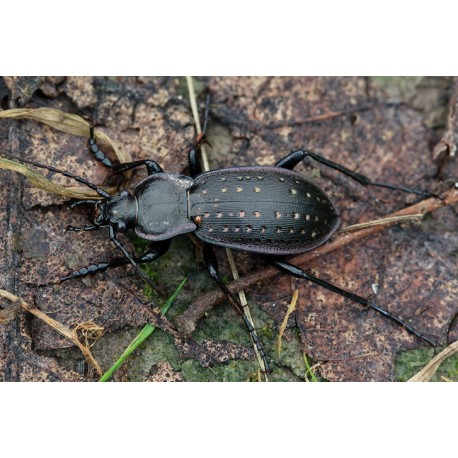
[299, 273]
[290, 161]
[212, 266]
[155, 251]
[151, 166]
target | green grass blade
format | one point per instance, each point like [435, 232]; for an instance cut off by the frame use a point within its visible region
[309, 370]
[140, 338]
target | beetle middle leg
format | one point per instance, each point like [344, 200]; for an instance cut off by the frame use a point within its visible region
[299, 273]
[151, 166]
[195, 165]
[212, 266]
[290, 161]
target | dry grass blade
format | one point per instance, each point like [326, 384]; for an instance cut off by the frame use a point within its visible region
[59, 327]
[65, 122]
[195, 115]
[205, 166]
[40, 182]
[246, 309]
[291, 308]
[430, 369]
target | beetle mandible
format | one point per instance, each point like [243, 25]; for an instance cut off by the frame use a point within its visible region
[268, 210]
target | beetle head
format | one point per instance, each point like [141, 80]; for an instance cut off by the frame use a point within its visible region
[118, 211]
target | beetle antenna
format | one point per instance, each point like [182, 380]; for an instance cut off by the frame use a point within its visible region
[77, 178]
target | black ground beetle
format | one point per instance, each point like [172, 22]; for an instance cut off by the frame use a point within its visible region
[272, 211]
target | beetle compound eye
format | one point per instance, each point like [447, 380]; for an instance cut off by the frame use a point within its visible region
[121, 226]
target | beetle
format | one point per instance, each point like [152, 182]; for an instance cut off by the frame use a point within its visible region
[272, 211]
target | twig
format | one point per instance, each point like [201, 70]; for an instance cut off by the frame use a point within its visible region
[384, 221]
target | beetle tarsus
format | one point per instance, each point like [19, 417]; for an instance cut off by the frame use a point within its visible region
[98, 154]
[82, 229]
[299, 273]
[155, 251]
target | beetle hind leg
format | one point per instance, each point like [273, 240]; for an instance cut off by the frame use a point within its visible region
[212, 266]
[299, 273]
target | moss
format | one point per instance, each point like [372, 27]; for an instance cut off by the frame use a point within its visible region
[410, 362]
